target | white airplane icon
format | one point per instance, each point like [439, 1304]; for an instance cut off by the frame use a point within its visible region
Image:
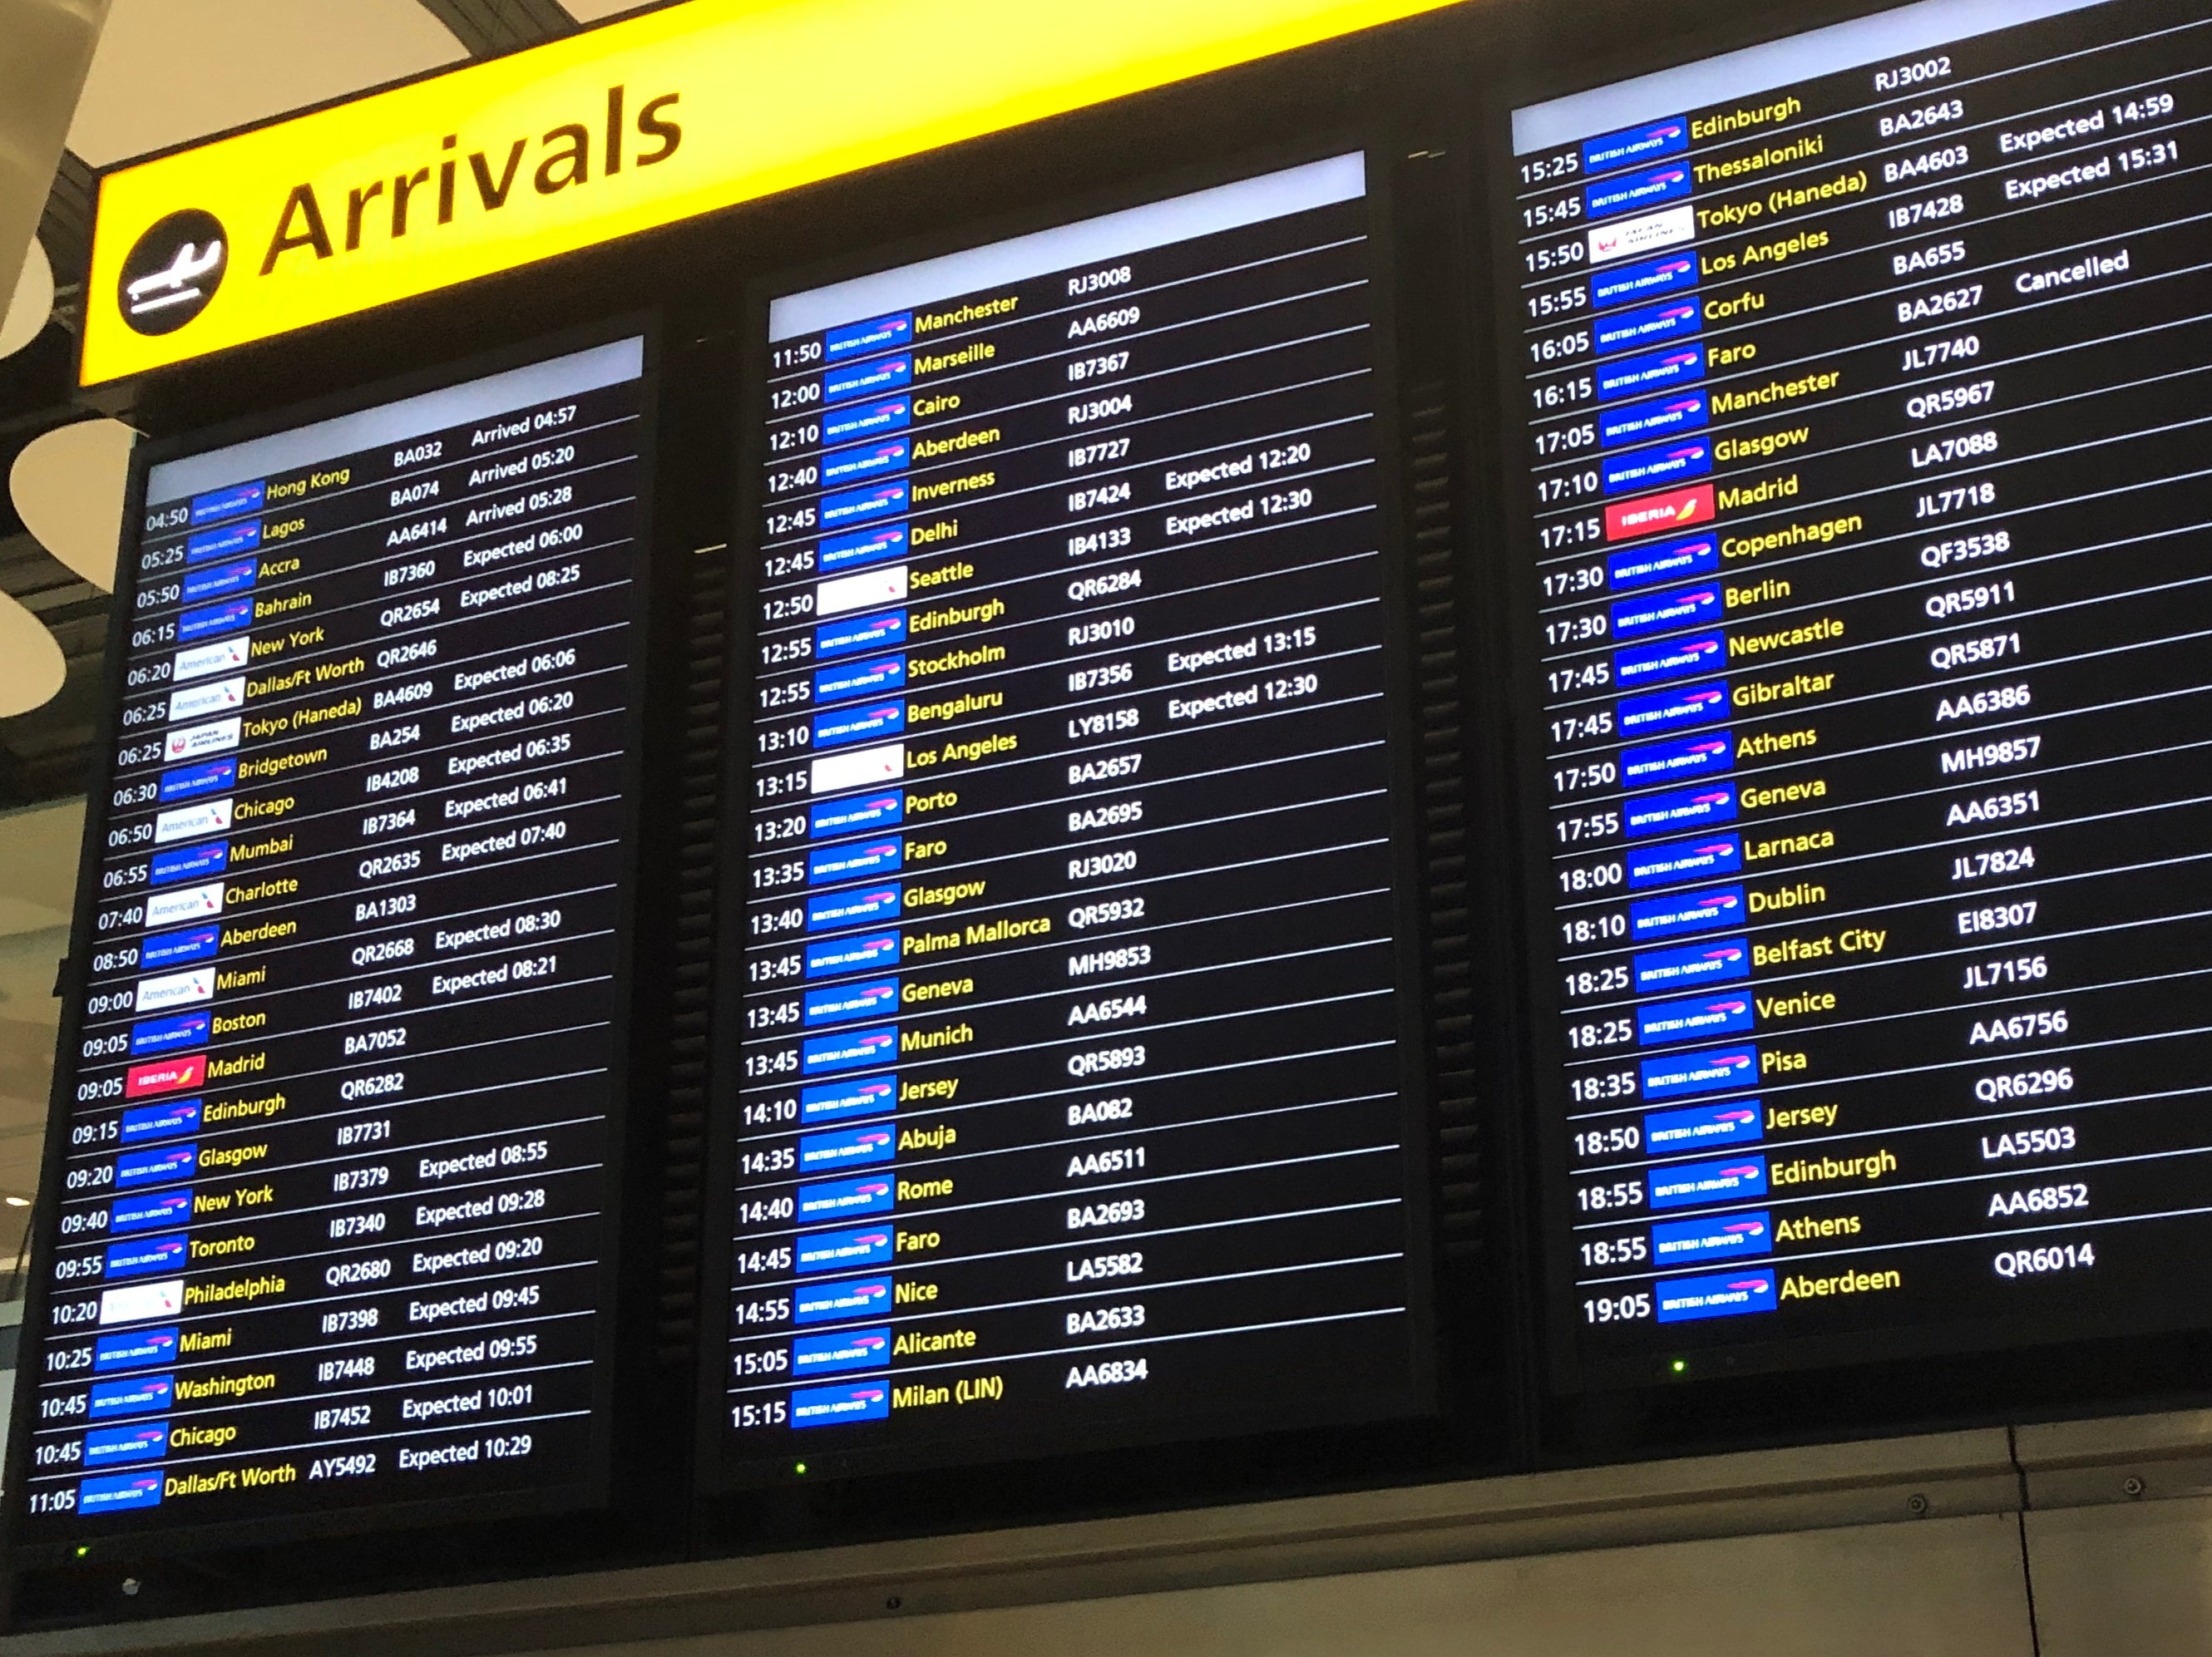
[176, 284]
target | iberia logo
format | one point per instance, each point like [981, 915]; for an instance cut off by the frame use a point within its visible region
[1676, 509]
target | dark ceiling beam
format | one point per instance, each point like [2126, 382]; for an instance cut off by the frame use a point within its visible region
[492, 28]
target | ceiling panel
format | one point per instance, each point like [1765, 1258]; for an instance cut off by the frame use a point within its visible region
[171, 71]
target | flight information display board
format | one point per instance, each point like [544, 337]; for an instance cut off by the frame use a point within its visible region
[1862, 381]
[333, 1222]
[1073, 1104]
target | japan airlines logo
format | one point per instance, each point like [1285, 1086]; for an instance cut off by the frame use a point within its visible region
[172, 272]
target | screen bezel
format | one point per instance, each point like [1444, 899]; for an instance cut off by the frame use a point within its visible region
[1766, 1387]
[151, 1540]
[719, 1473]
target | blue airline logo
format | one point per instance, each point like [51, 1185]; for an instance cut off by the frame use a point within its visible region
[135, 1397]
[117, 1494]
[839, 1199]
[835, 1251]
[228, 502]
[150, 1254]
[847, 1050]
[834, 639]
[841, 1003]
[177, 949]
[149, 1212]
[884, 375]
[852, 725]
[1679, 1242]
[1680, 1075]
[1723, 962]
[1687, 808]
[214, 618]
[150, 1035]
[211, 858]
[1683, 859]
[134, 1350]
[1729, 1179]
[830, 1355]
[1692, 1019]
[831, 1302]
[866, 419]
[841, 816]
[1651, 371]
[115, 1446]
[852, 955]
[1647, 143]
[214, 543]
[1648, 324]
[863, 461]
[139, 1168]
[1685, 757]
[190, 781]
[833, 684]
[828, 909]
[1636, 422]
[830, 1406]
[863, 338]
[1724, 1295]
[861, 548]
[161, 1121]
[836, 1101]
[1644, 469]
[851, 1147]
[221, 579]
[1634, 193]
[1676, 658]
[1663, 560]
[853, 504]
[1700, 1125]
[853, 860]
[1684, 607]
[1668, 274]
[1672, 710]
[1652, 918]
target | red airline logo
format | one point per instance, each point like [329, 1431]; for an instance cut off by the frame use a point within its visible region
[1677, 509]
[165, 1076]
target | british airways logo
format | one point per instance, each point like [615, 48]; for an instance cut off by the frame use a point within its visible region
[1673, 659]
[1654, 918]
[1719, 1070]
[1646, 280]
[1636, 191]
[1634, 422]
[1631, 144]
[1650, 371]
[1647, 325]
[1684, 859]
[1686, 756]
[1701, 1125]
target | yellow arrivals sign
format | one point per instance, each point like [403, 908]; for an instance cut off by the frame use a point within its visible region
[676, 112]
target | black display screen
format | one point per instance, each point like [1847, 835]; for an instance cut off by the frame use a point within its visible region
[331, 1223]
[1860, 381]
[1072, 1107]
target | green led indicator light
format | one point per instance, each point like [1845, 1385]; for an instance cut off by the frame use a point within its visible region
[83, 1550]
[1679, 1367]
[800, 1468]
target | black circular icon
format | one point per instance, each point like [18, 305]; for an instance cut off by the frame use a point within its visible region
[172, 272]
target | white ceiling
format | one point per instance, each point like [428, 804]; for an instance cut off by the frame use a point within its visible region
[167, 71]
